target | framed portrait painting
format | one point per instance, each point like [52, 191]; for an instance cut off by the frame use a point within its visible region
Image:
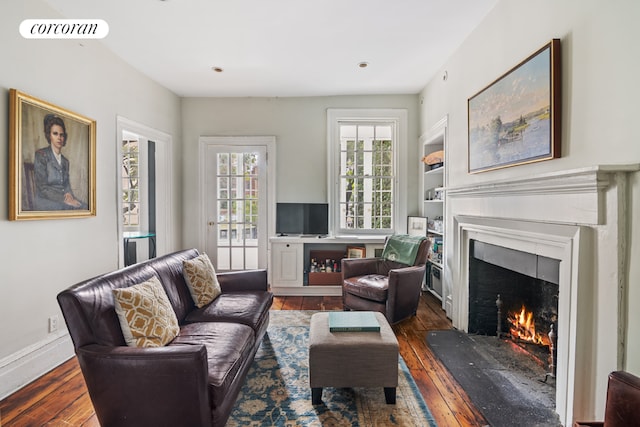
[52, 161]
[516, 119]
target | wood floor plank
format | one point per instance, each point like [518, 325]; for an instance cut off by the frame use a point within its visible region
[49, 408]
[313, 303]
[332, 303]
[292, 303]
[33, 393]
[60, 397]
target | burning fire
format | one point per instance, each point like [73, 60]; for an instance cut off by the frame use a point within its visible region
[523, 327]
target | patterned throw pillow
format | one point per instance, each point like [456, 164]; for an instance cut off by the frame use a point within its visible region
[145, 314]
[201, 279]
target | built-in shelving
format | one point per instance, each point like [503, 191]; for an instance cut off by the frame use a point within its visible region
[432, 204]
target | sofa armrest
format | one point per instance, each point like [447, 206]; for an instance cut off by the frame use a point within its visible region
[249, 280]
[147, 386]
[354, 267]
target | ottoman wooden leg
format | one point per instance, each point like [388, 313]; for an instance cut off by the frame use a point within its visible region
[316, 395]
[390, 395]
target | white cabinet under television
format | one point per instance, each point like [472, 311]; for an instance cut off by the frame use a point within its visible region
[432, 203]
[290, 259]
[286, 262]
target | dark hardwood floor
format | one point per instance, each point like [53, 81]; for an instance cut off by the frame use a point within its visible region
[59, 398]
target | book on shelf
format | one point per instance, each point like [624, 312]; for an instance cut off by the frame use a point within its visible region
[353, 321]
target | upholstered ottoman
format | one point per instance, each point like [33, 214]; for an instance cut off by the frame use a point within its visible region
[352, 359]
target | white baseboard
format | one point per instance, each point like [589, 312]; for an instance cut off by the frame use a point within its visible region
[24, 366]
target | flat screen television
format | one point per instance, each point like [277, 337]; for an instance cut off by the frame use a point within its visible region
[302, 218]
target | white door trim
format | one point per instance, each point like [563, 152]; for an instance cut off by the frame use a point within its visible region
[164, 183]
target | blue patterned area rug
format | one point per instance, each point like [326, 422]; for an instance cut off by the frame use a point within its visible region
[277, 390]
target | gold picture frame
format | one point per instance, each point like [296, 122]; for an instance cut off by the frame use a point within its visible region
[517, 119]
[52, 161]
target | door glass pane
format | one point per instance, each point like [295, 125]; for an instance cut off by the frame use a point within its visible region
[223, 163]
[237, 258]
[224, 261]
[251, 255]
[223, 234]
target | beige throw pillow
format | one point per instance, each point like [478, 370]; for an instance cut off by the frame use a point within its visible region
[145, 314]
[201, 280]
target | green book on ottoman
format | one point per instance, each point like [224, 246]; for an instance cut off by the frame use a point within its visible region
[353, 321]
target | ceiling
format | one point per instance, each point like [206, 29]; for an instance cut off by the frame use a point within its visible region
[282, 48]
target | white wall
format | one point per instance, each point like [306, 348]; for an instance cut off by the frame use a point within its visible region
[40, 258]
[300, 128]
[600, 100]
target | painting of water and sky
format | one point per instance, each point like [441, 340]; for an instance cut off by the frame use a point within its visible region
[511, 121]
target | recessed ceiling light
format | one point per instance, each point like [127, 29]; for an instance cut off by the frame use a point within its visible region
[217, 69]
[363, 64]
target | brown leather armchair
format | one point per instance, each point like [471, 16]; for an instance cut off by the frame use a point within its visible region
[623, 402]
[377, 284]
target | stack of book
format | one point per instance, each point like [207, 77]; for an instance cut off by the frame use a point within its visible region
[353, 321]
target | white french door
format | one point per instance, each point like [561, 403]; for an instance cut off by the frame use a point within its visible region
[236, 205]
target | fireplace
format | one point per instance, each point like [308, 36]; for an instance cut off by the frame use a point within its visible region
[572, 222]
[527, 285]
[514, 295]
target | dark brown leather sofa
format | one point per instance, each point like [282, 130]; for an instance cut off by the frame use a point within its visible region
[192, 381]
[377, 284]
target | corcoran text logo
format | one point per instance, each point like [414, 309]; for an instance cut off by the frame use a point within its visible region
[64, 29]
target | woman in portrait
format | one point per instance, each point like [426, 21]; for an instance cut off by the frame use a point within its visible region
[51, 169]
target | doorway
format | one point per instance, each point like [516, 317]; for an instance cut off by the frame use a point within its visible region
[143, 192]
[237, 201]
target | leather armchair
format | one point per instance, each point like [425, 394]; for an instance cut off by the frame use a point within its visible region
[376, 284]
[623, 401]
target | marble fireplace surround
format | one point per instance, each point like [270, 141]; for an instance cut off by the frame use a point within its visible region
[578, 217]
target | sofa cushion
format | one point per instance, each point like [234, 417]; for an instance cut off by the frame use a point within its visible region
[370, 286]
[169, 270]
[247, 307]
[201, 280]
[228, 345]
[145, 314]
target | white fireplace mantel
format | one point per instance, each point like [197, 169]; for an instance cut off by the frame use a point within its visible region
[579, 217]
[578, 191]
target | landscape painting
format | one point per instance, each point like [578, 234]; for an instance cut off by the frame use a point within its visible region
[516, 119]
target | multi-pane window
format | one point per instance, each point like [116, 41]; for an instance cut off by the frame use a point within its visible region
[131, 183]
[368, 170]
[366, 176]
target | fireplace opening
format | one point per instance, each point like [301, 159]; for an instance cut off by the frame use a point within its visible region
[514, 295]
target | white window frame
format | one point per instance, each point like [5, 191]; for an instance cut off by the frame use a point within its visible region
[398, 117]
